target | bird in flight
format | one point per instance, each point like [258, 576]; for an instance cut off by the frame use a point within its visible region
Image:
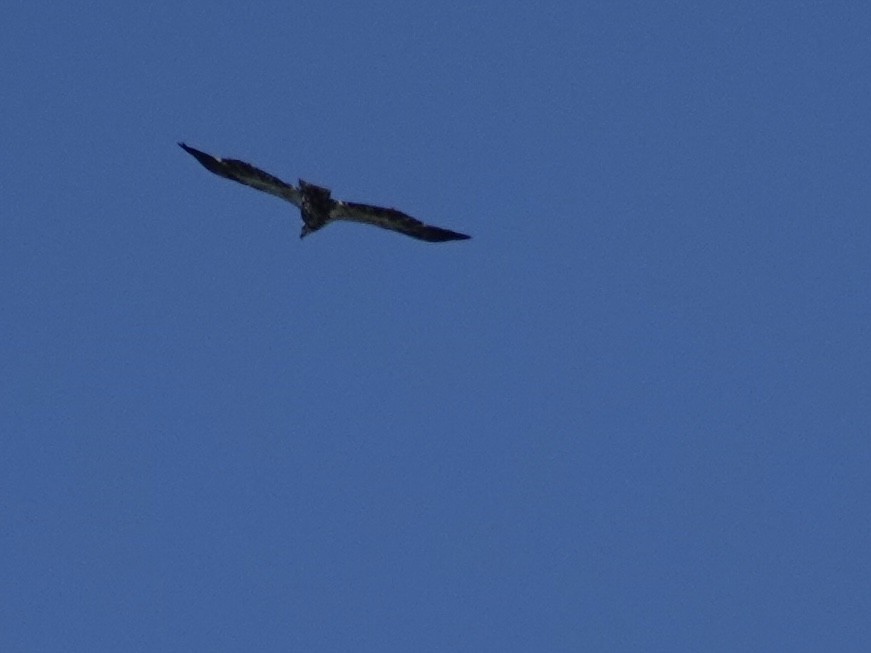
[318, 208]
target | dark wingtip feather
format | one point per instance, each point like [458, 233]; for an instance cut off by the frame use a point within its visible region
[439, 235]
[210, 163]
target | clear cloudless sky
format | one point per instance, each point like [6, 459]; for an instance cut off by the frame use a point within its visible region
[631, 414]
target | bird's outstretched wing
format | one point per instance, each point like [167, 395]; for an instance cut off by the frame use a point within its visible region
[245, 173]
[393, 220]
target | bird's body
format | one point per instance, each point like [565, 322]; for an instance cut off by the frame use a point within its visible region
[316, 204]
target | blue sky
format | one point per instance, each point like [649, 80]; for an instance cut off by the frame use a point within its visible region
[631, 414]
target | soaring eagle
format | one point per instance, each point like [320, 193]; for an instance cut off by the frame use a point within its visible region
[318, 208]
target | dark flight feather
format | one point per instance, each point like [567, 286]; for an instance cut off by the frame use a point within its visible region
[394, 220]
